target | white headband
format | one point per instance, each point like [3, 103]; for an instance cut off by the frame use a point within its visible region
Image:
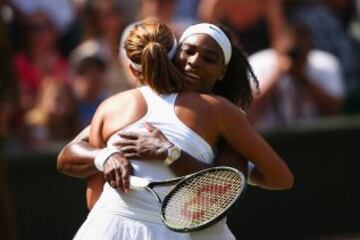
[213, 31]
[170, 54]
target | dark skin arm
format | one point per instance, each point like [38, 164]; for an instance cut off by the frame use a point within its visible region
[77, 158]
[229, 157]
[153, 147]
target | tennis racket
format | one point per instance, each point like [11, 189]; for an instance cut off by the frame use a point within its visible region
[198, 200]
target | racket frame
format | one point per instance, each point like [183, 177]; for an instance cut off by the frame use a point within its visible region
[182, 180]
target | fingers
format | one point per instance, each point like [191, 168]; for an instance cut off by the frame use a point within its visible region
[125, 177]
[116, 171]
[125, 142]
[130, 135]
[129, 149]
[154, 131]
[110, 178]
[117, 176]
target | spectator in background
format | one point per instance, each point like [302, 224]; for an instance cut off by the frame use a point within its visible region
[187, 9]
[61, 12]
[39, 58]
[165, 10]
[103, 28]
[54, 117]
[329, 30]
[257, 23]
[297, 82]
[89, 87]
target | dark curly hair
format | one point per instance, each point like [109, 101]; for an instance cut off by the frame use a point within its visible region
[239, 80]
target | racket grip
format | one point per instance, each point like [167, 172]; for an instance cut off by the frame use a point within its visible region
[138, 183]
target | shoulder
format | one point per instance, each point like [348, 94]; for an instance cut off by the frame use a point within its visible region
[117, 100]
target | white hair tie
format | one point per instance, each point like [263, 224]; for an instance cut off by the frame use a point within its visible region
[170, 54]
[213, 31]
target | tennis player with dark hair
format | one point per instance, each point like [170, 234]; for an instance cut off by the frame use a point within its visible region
[193, 122]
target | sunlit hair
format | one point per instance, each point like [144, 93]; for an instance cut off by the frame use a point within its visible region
[148, 44]
[239, 80]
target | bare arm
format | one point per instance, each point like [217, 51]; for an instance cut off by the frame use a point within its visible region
[227, 156]
[270, 171]
[76, 159]
[153, 146]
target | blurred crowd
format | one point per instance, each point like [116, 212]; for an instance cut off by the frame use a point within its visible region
[60, 58]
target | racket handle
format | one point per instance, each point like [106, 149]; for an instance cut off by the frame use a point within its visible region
[138, 183]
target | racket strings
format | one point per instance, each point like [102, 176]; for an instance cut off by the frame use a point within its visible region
[203, 198]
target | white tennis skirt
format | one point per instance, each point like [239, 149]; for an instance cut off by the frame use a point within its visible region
[109, 226]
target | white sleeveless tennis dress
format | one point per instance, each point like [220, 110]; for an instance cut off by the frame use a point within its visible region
[136, 215]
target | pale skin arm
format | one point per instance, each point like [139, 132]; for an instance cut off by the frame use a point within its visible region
[270, 171]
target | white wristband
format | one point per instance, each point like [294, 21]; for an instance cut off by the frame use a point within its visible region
[103, 156]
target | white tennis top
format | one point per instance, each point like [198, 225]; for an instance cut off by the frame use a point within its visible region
[141, 205]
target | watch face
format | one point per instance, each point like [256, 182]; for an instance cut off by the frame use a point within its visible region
[174, 153]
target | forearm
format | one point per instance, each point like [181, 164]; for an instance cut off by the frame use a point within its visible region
[255, 178]
[77, 160]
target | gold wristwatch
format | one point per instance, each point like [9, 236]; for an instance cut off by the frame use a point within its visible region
[174, 154]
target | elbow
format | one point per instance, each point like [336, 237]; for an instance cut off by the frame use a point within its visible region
[64, 163]
[61, 162]
[286, 182]
[289, 183]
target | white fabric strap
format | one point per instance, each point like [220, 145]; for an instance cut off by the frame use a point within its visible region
[171, 54]
[213, 31]
[103, 156]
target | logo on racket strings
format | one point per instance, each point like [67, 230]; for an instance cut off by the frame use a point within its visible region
[206, 197]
